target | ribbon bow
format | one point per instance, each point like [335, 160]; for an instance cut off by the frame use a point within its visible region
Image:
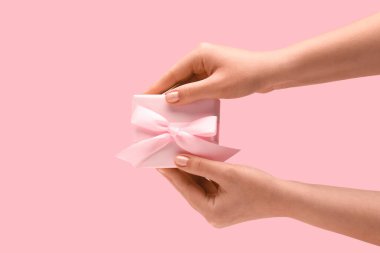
[187, 135]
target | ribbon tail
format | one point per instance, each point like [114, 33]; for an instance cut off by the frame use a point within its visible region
[203, 148]
[138, 152]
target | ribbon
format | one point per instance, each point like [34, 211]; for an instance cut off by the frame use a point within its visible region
[188, 136]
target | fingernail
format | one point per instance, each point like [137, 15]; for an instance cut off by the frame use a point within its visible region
[181, 160]
[172, 96]
[161, 170]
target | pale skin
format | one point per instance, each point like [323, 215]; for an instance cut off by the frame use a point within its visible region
[227, 194]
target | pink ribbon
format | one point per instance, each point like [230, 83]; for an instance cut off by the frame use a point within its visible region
[188, 137]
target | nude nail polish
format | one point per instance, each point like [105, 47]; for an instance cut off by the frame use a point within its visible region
[172, 96]
[181, 160]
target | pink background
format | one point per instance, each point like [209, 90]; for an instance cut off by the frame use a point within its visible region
[68, 70]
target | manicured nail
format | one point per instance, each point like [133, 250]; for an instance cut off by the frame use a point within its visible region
[162, 171]
[172, 96]
[181, 160]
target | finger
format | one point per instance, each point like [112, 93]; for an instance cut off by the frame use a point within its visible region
[218, 172]
[189, 189]
[182, 70]
[190, 92]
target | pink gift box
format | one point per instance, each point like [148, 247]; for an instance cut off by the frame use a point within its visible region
[160, 131]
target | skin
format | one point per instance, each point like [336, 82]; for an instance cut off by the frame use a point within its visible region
[227, 194]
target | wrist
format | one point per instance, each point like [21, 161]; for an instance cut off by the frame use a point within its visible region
[289, 198]
[277, 197]
[281, 69]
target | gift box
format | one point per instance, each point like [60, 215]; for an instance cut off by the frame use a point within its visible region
[160, 131]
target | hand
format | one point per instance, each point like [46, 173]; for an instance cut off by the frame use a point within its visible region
[227, 194]
[224, 193]
[212, 71]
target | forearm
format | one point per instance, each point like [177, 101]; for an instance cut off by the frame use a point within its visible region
[352, 212]
[350, 52]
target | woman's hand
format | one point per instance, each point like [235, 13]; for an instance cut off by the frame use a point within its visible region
[224, 193]
[212, 71]
[227, 194]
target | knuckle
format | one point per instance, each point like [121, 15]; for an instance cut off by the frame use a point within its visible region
[186, 95]
[204, 44]
[183, 90]
[230, 173]
[195, 91]
[216, 219]
[203, 47]
[196, 163]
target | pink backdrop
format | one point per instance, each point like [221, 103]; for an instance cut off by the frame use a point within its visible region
[68, 70]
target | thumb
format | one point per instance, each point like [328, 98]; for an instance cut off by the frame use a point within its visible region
[190, 92]
[213, 170]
